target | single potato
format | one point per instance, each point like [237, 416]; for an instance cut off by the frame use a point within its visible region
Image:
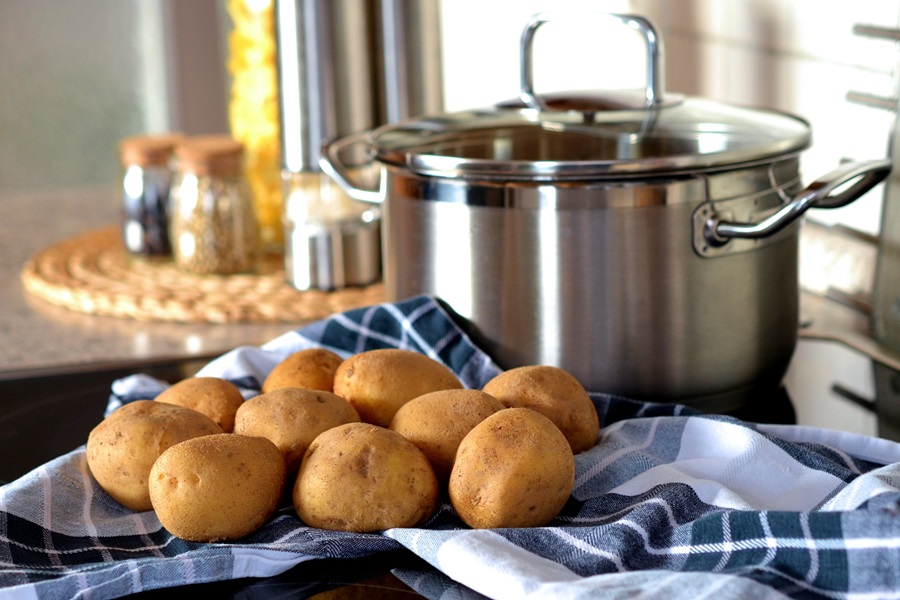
[438, 421]
[514, 469]
[291, 418]
[378, 382]
[214, 397]
[218, 487]
[312, 368]
[554, 393]
[360, 477]
[122, 448]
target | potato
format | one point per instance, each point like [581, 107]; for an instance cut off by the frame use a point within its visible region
[217, 487]
[312, 368]
[214, 397]
[122, 448]
[438, 421]
[360, 477]
[514, 469]
[554, 393]
[291, 418]
[378, 382]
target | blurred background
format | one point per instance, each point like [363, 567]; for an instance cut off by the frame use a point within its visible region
[77, 77]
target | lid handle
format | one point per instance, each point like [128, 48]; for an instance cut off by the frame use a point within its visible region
[653, 93]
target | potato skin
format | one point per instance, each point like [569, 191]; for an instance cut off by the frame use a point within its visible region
[291, 418]
[514, 469]
[378, 382]
[122, 448]
[217, 488]
[438, 421]
[554, 393]
[311, 368]
[214, 397]
[362, 478]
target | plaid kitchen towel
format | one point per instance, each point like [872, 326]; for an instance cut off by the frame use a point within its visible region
[670, 503]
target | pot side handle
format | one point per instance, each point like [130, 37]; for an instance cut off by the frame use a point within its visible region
[819, 194]
[331, 165]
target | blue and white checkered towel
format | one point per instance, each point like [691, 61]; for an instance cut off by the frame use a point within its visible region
[670, 503]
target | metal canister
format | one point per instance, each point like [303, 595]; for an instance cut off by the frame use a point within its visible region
[345, 66]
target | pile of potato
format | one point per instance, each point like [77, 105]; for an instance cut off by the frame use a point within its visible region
[362, 444]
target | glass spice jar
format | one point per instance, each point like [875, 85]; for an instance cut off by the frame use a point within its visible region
[146, 180]
[213, 224]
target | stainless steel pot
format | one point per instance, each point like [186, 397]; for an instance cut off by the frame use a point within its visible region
[647, 245]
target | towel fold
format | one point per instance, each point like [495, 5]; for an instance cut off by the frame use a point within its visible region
[670, 503]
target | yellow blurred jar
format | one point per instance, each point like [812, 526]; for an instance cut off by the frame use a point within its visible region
[253, 110]
[213, 225]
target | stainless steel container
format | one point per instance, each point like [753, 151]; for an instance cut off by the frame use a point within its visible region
[345, 66]
[648, 244]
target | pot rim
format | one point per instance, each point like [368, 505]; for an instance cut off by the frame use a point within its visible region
[588, 171]
[687, 135]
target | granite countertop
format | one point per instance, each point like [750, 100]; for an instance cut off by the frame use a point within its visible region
[37, 337]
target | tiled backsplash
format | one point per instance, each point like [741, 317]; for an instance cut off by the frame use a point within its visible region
[800, 56]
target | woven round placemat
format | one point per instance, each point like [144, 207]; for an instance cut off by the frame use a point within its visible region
[93, 273]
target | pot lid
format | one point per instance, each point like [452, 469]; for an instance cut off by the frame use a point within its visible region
[679, 135]
[575, 136]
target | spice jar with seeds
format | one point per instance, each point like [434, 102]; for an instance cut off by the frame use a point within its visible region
[147, 178]
[213, 225]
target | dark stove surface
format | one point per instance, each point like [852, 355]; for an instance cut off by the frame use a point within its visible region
[363, 578]
[43, 416]
[773, 407]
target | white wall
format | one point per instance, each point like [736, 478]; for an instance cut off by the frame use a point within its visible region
[482, 58]
[78, 77]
